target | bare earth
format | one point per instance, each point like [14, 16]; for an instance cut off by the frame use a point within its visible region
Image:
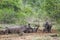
[30, 36]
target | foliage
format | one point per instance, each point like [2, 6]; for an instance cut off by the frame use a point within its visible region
[20, 11]
[52, 7]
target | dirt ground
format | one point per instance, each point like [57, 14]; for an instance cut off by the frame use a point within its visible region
[30, 36]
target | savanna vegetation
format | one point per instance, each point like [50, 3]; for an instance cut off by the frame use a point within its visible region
[34, 12]
[29, 11]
